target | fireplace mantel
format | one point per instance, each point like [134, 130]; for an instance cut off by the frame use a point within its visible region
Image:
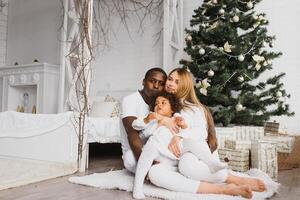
[38, 80]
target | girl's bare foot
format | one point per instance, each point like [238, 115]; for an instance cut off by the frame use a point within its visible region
[255, 184]
[242, 190]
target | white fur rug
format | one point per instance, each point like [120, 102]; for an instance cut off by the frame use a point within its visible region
[123, 180]
[16, 171]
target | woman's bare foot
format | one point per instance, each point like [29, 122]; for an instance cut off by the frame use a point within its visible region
[235, 190]
[255, 184]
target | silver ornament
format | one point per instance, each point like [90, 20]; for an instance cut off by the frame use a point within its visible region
[239, 107]
[210, 73]
[241, 58]
[235, 18]
[221, 11]
[271, 44]
[201, 51]
[240, 79]
[278, 94]
[249, 5]
[214, 1]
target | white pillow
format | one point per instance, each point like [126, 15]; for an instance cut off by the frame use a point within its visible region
[103, 109]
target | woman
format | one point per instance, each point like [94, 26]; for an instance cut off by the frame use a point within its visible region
[195, 175]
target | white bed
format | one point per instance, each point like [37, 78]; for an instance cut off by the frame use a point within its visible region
[104, 120]
[51, 137]
[48, 137]
[104, 130]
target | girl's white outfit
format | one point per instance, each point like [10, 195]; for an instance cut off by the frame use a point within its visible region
[186, 176]
[156, 148]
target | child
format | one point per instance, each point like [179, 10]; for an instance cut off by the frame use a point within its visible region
[156, 148]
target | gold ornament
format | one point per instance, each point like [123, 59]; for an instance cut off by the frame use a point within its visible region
[33, 109]
[21, 109]
[227, 47]
[258, 59]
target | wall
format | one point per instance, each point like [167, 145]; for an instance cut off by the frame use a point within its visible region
[284, 23]
[123, 65]
[3, 33]
[33, 31]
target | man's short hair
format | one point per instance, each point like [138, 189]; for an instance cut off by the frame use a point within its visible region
[155, 69]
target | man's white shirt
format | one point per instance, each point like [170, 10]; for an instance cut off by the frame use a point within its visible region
[135, 106]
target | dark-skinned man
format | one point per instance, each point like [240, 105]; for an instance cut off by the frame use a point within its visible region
[137, 105]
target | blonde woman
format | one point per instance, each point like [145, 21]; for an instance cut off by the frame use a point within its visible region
[192, 174]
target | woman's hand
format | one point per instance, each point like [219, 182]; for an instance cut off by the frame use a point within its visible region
[174, 146]
[170, 124]
[180, 122]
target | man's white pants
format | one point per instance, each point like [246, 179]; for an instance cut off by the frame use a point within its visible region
[129, 161]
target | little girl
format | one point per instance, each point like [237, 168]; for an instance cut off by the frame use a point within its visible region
[156, 148]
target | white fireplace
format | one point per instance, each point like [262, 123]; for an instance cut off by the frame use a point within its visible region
[28, 86]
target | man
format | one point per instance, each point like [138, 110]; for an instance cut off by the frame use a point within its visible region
[134, 105]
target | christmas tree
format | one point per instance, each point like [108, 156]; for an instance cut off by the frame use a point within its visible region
[229, 49]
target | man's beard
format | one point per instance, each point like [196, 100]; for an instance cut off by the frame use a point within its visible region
[154, 93]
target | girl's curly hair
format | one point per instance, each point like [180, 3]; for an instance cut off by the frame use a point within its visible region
[175, 103]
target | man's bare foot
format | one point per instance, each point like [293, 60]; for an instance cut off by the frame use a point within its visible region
[235, 190]
[255, 184]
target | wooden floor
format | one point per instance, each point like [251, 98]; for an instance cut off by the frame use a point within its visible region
[61, 189]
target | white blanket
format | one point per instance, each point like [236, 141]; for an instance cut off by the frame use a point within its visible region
[104, 129]
[25, 125]
[22, 125]
[123, 180]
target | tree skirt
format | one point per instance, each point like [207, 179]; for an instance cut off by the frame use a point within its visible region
[18, 171]
[123, 180]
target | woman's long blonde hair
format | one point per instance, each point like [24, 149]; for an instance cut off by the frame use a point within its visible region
[186, 92]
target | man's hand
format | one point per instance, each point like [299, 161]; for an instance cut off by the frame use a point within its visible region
[174, 146]
[155, 162]
[170, 124]
[134, 139]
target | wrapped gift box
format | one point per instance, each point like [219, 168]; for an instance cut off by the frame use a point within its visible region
[271, 128]
[237, 144]
[249, 132]
[284, 144]
[264, 157]
[225, 133]
[238, 160]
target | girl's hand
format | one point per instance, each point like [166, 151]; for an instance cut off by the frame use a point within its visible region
[174, 146]
[151, 116]
[170, 124]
